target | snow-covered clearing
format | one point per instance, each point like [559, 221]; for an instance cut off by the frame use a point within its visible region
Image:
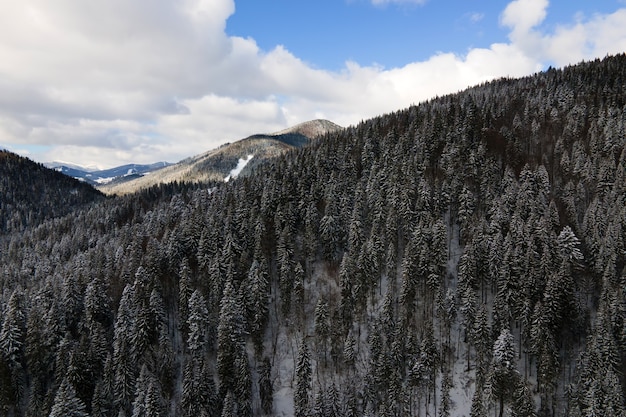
[237, 170]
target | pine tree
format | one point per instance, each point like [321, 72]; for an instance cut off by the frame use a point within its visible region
[125, 367]
[230, 405]
[333, 405]
[266, 389]
[482, 341]
[67, 403]
[349, 351]
[97, 302]
[568, 246]
[322, 329]
[12, 353]
[230, 338]
[303, 381]
[503, 376]
[139, 404]
[478, 408]
[523, 405]
[198, 323]
[154, 400]
[446, 385]
[184, 293]
[259, 294]
[243, 387]
[318, 405]
[12, 332]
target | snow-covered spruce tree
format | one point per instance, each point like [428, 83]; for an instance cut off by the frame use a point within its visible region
[303, 381]
[259, 296]
[184, 293]
[322, 330]
[66, 403]
[598, 387]
[197, 323]
[523, 404]
[124, 366]
[478, 408]
[230, 339]
[266, 388]
[243, 387]
[503, 376]
[198, 395]
[285, 267]
[12, 354]
[230, 405]
[97, 302]
[330, 235]
[568, 246]
[318, 405]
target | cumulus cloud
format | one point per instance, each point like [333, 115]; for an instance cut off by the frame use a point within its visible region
[111, 81]
[522, 15]
[596, 36]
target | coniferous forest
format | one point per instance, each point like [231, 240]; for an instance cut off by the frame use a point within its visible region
[462, 257]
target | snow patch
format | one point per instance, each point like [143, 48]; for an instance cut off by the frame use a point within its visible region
[103, 181]
[237, 170]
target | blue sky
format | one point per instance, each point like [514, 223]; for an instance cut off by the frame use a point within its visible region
[327, 33]
[108, 82]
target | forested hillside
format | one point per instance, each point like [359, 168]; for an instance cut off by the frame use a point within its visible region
[460, 257]
[31, 193]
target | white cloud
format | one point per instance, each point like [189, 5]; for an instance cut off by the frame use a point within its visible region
[153, 80]
[522, 15]
[213, 120]
[597, 37]
[594, 37]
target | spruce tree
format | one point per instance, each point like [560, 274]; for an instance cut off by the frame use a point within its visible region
[67, 403]
[503, 376]
[303, 381]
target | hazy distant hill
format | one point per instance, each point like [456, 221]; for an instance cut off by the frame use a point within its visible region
[217, 164]
[99, 177]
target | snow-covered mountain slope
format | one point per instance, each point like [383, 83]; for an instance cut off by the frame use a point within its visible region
[217, 164]
[96, 176]
[310, 129]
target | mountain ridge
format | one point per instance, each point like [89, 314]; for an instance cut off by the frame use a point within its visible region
[97, 177]
[31, 193]
[216, 164]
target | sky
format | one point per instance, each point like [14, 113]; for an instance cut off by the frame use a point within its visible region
[103, 83]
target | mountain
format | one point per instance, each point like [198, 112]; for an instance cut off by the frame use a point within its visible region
[31, 193]
[97, 177]
[461, 257]
[309, 130]
[217, 164]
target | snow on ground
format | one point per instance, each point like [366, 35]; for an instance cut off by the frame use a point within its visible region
[103, 181]
[237, 170]
[462, 385]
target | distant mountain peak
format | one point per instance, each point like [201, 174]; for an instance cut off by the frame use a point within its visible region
[59, 165]
[311, 129]
[99, 177]
[229, 160]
